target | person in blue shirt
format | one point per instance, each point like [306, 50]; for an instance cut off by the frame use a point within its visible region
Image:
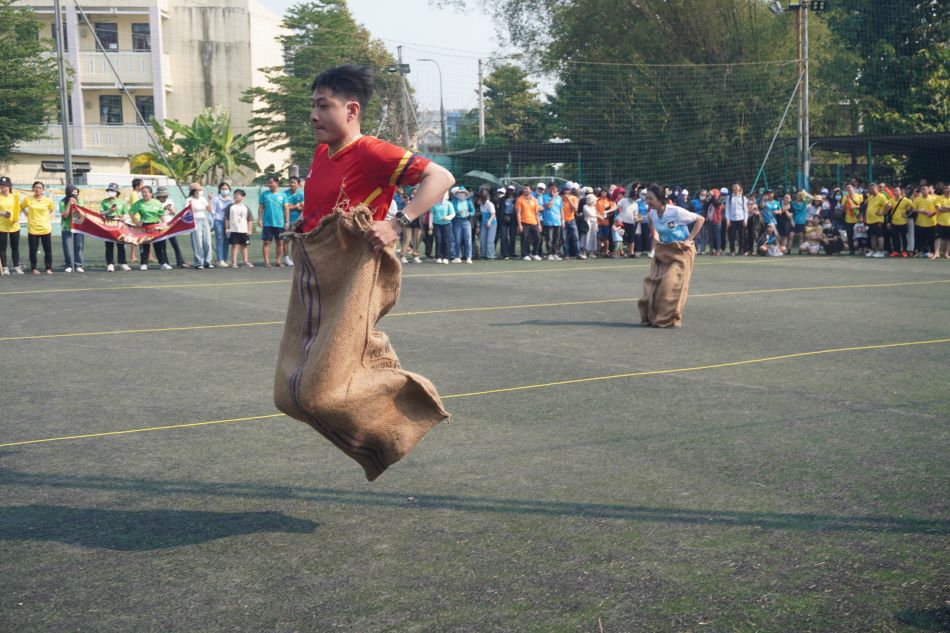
[799, 217]
[698, 206]
[770, 208]
[551, 221]
[273, 216]
[462, 224]
[294, 199]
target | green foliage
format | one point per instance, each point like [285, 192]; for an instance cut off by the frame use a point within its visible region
[205, 151]
[29, 80]
[321, 34]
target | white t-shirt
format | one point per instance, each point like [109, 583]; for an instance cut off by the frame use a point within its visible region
[237, 217]
[673, 226]
[628, 210]
[199, 208]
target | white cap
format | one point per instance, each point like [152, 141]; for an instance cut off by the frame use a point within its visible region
[540, 185]
[685, 193]
[500, 190]
[724, 191]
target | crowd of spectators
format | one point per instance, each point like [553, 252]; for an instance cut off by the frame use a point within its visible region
[546, 221]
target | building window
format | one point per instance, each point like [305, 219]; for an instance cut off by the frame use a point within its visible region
[52, 28]
[110, 109]
[69, 109]
[108, 34]
[146, 106]
[141, 38]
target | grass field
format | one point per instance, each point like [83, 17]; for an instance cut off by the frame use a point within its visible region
[779, 464]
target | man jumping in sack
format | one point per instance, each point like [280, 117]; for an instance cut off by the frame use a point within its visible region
[335, 370]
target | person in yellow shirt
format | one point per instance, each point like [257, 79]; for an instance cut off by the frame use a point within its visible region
[925, 218]
[9, 226]
[942, 207]
[39, 209]
[898, 209]
[852, 213]
[874, 218]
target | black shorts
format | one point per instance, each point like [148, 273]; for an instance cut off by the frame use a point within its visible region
[943, 232]
[876, 230]
[629, 233]
[238, 239]
[799, 228]
[269, 233]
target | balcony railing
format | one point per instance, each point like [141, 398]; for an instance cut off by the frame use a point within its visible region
[133, 68]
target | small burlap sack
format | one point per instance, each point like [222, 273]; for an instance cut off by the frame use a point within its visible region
[666, 287]
[335, 370]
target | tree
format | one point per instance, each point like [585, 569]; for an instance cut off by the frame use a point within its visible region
[30, 80]
[321, 34]
[206, 151]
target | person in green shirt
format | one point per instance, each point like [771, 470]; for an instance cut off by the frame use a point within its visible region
[72, 242]
[146, 212]
[113, 207]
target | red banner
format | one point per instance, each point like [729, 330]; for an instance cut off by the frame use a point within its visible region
[93, 224]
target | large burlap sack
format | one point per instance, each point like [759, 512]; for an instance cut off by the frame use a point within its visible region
[666, 287]
[335, 370]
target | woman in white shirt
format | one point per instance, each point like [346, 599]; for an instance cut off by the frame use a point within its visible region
[489, 226]
[201, 238]
[589, 239]
[666, 287]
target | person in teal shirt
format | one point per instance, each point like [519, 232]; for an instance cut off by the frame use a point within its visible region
[294, 198]
[799, 217]
[441, 217]
[273, 216]
[462, 224]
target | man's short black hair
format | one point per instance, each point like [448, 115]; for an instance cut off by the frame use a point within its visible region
[136, 182]
[349, 81]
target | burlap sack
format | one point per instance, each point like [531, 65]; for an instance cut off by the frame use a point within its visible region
[666, 287]
[335, 370]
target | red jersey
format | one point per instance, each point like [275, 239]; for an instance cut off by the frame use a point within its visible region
[366, 171]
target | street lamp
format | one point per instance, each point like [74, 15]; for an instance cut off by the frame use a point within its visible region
[445, 143]
[481, 91]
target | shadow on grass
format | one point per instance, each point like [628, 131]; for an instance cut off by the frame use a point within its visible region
[606, 324]
[926, 619]
[483, 504]
[137, 530]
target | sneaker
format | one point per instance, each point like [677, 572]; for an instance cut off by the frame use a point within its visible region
[36, 272]
[404, 260]
[582, 257]
[166, 267]
[904, 254]
[125, 267]
[557, 258]
[869, 254]
[468, 261]
[18, 270]
[894, 254]
[527, 258]
[878, 254]
[80, 269]
[110, 268]
[416, 260]
[550, 258]
[223, 264]
[457, 260]
[650, 254]
[198, 266]
[143, 267]
[234, 265]
[445, 261]
[5, 271]
[248, 265]
[68, 269]
[536, 258]
[288, 261]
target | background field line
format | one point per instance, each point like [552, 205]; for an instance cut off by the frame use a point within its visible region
[559, 383]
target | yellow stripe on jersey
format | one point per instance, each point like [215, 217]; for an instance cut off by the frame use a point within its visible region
[402, 163]
[373, 196]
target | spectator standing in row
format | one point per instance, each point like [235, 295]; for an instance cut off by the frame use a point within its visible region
[753, 227]
[925, 220]
[605, 216]
[462, 224]
[273, 216]
[201, 237]
[9, 227]
[698, 206]
[551, 221]
[39, 210]
[489, 224]
[219, 203]
[737, 218]
[440, 220]
[897, 209]
[588, 227]
[627, 211]
[113, 207]
[528, 215]
[168, 213]
[72, 242]
[239, 222]
[508, 223]
[852, 213]
[569, 235]
[799, 209]
[942, 206]
[875, 209]
[134, 196]
[147, 211]
[715, 213]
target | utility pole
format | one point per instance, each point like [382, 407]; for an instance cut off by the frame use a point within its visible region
[806, 125]
[405, 102]
[63, 101]
[481, 104]
[445, 142]
[801, 95]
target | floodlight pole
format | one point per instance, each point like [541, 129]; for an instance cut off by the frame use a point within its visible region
[481, 103]
[63, 101]
[801, 93]
[445, 142]
[806, 141]
[404, 100]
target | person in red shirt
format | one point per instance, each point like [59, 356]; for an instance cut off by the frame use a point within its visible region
[350, 168]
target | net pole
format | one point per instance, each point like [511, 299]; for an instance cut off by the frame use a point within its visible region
[778, 129]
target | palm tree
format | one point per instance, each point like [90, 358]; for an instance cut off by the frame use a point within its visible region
[206, 151]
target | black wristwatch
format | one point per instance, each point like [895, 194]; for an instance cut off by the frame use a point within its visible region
[402, 218]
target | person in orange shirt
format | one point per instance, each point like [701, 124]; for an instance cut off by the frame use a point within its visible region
[527, 212]
[605, 210]
[569, 233]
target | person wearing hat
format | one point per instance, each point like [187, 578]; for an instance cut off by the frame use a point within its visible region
[462, 224]
[507, 222]
[489, 225]
[528, 213]
[147, 211]
[72, 242]
[9, 227]
[169, 212]
[39, 210]
[113, 207]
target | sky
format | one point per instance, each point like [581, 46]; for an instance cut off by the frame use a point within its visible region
[454, 39]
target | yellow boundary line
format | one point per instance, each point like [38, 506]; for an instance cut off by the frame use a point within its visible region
[547, 385]
[185, 328]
